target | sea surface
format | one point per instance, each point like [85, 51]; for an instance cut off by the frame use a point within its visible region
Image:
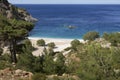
[55, 20]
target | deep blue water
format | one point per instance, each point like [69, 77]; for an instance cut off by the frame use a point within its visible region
[54, 19]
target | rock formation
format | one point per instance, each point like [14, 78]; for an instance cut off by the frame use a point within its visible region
[9, 74]
[13, 12]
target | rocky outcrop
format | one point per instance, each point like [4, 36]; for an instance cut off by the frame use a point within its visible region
[23, 14]
[63, 77]
[13, 12]
[9, 74]
[30, 19]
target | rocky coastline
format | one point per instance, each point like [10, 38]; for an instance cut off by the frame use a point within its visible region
[13, 12]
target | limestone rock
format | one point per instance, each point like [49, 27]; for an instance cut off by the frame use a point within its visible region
[9, 74]
[18, 71]
[30, 19]
[9, 14]
[11, 11]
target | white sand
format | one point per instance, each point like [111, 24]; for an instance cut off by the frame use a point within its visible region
[61, 44]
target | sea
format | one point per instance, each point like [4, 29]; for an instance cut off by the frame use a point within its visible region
[72, 21]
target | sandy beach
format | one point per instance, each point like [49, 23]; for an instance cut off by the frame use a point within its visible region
[61, 44]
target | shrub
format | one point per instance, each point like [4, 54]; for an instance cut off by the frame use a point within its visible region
[41, 42]
[48, 65]
[5, 57]
[25, 61]
[51, 51]
[106, 36]
[39, 76]
[113, 38]
[28, 44]
[75, 43]
[1, 51]
[60, 64]
[51, 45]
[91, 36]
[26, 58]
[5, 61]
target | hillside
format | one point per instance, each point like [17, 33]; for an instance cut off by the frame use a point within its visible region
[96, 58]
[13, 12]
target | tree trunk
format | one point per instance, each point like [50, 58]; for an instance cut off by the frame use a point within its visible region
[13, 51]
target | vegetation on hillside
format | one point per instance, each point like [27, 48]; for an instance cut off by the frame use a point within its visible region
[51, 45]
[13, 31]
[88, 61]
[113, 38]
[91, 35]
[84, 61]
[41, 42]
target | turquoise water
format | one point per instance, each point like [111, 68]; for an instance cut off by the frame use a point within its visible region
[54, 20]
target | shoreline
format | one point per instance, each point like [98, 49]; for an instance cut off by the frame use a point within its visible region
[69, 39]
[60, 43]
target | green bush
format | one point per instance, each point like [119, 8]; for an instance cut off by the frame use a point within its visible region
[51, 45]
[98, 63]
[60, 64]
[91, 35]
[1, 51]
[5, 61]
[106, 36]
[5, 57]
[41, 42]
[28, 45]
[48, 65]
[74, 44]
[26, 58]
[51, 52]
[113, 38]
[25, 62]
[39, 76]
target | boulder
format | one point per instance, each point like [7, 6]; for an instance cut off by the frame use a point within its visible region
[30, 19]
[9, 74]
[18, 72]
[9, 14]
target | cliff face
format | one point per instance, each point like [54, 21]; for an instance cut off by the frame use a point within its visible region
[13, 12]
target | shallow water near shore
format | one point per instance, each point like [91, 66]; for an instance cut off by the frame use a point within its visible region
[54, 20]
